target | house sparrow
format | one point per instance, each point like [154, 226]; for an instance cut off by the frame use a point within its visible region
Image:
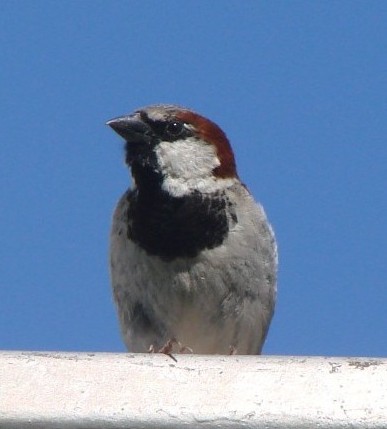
[193, 257]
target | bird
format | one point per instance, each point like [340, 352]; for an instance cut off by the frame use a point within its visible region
[193, 258]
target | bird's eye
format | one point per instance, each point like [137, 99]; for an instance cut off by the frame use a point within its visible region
[174, 128]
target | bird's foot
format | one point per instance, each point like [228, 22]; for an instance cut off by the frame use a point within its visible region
[167, 348]
[185, 349]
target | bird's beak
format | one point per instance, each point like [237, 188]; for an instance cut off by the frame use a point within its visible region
[130, 127]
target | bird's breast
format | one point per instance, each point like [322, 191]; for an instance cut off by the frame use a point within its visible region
[177, 227]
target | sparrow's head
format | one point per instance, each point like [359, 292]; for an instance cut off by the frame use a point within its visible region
[177, 149]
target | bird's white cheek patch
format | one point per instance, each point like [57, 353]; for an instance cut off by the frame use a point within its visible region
[188, 165]
[187, 159]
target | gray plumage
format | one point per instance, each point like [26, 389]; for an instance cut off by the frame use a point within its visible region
[223, 296]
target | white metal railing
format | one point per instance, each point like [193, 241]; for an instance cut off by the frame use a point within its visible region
[102, 390]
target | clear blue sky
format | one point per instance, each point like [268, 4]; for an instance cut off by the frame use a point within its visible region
[299, 87]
